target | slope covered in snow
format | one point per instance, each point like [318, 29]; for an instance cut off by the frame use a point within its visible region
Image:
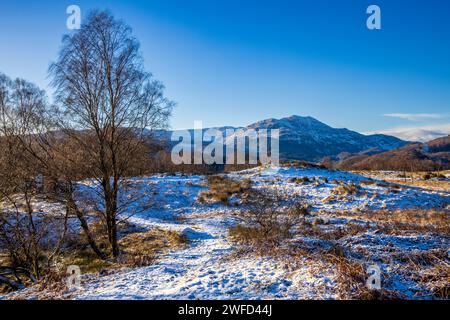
[209, 267]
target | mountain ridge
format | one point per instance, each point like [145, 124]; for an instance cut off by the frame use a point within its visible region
[306, 138]
[429, 156]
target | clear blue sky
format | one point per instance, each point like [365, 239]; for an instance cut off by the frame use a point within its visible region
[233, 62]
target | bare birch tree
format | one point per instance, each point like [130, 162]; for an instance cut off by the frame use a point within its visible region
[31, 237]
[103, 92]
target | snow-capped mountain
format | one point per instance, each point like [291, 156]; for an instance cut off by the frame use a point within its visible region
[306, 138]
[420, 134]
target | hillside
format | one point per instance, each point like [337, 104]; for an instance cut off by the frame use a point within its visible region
[430, 156]
[334, 238]
[306, 138]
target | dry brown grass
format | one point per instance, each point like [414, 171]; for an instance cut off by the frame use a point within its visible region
[301, 180]
[342, 192]
[416, 220]
[332, 234]
[266, 221]
[138, 249]
[257, 236]
[431, 270]
[393, 222]
[428, 269]
[436, 181]
[368, 182]
[437, 280]
[351, 277]
[4, 260]
[429, 184]
[141, 249]
[222, 188]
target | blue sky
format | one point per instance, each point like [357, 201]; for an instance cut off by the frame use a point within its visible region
[230, 62]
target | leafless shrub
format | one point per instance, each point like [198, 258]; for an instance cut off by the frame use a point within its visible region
[31, 238]
[268, 221]
[351, 277]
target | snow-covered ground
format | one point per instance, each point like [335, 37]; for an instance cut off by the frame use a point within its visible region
[207, 268]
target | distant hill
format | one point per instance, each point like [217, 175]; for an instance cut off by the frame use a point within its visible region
[430, 156]
[418, 134]
[305, 138]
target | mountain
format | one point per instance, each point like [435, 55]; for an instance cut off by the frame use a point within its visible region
[305, 138]
[419, 134]
[430, 156]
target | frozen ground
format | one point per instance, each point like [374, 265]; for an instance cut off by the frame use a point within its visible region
[207, 269]
[204, 270]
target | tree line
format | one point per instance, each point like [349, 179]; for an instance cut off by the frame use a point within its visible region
[97, 128]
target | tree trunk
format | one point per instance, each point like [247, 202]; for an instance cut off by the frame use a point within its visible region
[84, 225]
[111, 212]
